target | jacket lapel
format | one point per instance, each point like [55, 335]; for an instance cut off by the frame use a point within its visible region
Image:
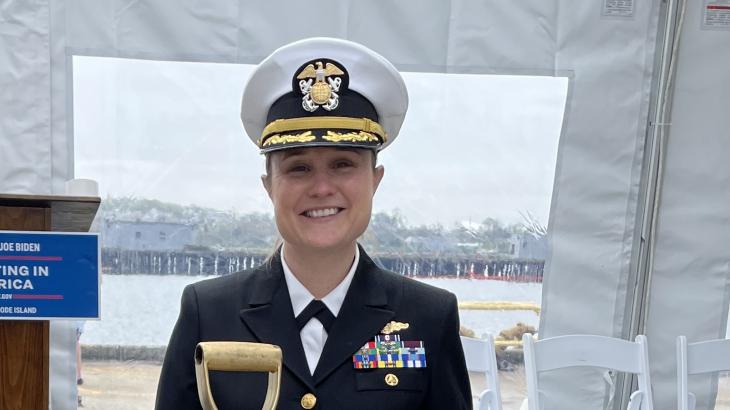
[364, 312]
[270, 318]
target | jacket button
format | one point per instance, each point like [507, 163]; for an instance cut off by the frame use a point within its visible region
[391, 379]
[309, 400]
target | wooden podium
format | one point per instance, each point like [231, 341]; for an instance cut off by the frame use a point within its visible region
[24, 344]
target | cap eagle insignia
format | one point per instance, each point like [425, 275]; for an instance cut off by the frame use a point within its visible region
[320, 86]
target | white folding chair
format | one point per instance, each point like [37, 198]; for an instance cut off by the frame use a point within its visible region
[696, 358]
[480, 357]
[592, 351]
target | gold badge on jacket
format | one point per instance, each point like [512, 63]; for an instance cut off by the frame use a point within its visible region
[393, 327]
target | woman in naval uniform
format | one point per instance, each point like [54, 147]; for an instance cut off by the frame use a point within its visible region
[353, 336]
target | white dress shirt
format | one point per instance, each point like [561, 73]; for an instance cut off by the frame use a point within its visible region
[313, 334]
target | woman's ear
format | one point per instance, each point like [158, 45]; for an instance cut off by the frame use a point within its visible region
[379, 171]
[266, 181]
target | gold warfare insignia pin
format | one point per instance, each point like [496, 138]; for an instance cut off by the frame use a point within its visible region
[320, 85]
[394, 326]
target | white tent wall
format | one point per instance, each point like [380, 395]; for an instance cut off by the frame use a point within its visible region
[594, 208]
[690, 282]
[594, 204]
[25, 105]
[479, 32]
[26, 146]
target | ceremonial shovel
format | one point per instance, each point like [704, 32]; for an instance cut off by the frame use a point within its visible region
[237, 356]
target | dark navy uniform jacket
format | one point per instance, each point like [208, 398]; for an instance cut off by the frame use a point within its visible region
[254, 306]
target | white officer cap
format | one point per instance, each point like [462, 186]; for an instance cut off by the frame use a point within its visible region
[324, 92]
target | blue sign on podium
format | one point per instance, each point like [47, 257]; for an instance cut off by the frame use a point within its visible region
[49, 275]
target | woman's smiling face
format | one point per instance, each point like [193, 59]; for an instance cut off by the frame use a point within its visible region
[322, 196]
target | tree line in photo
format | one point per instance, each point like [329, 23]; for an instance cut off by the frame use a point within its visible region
[388, 234]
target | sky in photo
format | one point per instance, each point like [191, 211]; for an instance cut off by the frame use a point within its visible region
[472, 146]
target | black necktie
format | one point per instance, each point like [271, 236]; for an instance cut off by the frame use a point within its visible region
[318, 309]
